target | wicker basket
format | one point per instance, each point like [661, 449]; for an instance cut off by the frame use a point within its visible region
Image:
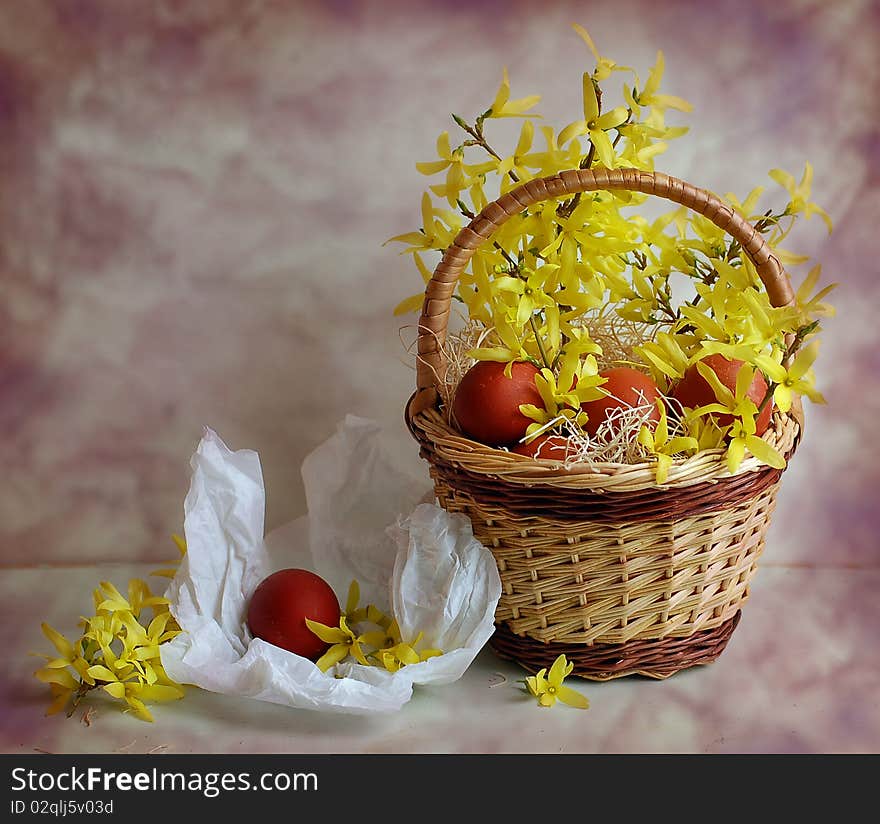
[598, 561]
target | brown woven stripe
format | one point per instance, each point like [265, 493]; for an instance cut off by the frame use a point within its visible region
[603, 662]
[584, 505]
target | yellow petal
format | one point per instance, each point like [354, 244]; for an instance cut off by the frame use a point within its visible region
[533, 412]
[557, 671]
[427, 214]
[432, 167]
[661, 365]
[503, 93]
[744, 380]
[604, 149]
[784, 179]
[584, 35]
[572, 697]
[416, 239]
[149, 674]
[773, 370]
[724, 395]
[503, 106]
[812, 208]
[333, 656]
[806, 288]
[525, 310]
[56, 676]
[664, 462]
[116, 689]
[64, 647]
[112, 605]
[661, 433]
[681, 443]
[576, 129]
[444, 150]
[138, 708]
[147, 652]
[376, 616]
[492, 353]
[102, 673]
[374, 638]
[161, 692]
[525, 138]
[787, 258]
[390, 662]
[111, 592]
[329, 635]
[57, 663]
[654, 77]
[406, 654]
[413, 303]
[358, 653]
[59, 702]
[804, 360]
[782, 397]
[354, 596]
[813, 394]
[671, 101]
[765, 453]
[591, 100]
[612, 119]
[807, 178]
[735, 454]
[157, 625]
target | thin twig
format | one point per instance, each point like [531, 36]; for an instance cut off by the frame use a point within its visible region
[479, 140]
[534, 326]
[790, 351]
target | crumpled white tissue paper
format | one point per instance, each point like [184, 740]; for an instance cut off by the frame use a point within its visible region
[412, 560]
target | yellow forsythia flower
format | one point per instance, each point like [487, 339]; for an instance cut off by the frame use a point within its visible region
[548, 687]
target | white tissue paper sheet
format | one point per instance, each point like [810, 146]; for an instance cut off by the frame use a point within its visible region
[412, 560]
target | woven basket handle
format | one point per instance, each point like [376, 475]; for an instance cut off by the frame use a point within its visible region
[431, 362]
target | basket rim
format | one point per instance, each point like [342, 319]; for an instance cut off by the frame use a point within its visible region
[430, 427]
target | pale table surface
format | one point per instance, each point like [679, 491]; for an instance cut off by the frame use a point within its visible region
[790, 681]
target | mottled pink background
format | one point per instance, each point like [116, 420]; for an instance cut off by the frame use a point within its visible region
[193, 201]
[195, 196]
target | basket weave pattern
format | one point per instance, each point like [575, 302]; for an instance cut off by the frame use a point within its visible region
[608, 583]
[597, 560]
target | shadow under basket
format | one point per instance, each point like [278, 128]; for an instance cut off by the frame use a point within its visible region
[598, 561]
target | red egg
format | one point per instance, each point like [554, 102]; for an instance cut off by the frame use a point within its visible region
[486, 405]
[625, 388]
[544, 447]
[693, 390]
[278, 609]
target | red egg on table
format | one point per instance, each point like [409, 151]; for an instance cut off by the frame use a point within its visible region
[280, 604]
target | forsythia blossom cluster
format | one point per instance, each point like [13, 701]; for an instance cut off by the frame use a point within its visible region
[117, 652]
[560, 264]
[369, 637]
